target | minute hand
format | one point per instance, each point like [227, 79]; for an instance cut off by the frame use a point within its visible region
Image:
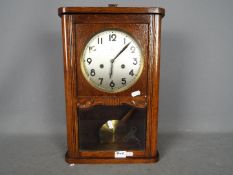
[122, 50]
[112, 60]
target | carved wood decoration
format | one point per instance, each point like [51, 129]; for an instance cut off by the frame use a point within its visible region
[87, 108]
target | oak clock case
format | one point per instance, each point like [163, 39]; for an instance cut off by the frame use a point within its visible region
[111, 65]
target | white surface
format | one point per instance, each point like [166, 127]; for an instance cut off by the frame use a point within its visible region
[136, 93]
[102, 54]
[123, 154]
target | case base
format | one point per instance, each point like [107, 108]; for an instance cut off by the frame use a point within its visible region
[70, 160]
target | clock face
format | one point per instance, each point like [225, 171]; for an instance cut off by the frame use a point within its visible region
[112, 61]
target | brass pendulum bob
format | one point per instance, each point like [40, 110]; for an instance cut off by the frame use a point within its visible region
[114, 130]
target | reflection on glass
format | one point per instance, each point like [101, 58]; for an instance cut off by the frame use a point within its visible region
[112, 128]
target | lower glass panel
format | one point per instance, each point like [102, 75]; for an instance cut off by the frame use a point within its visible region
[112, 128]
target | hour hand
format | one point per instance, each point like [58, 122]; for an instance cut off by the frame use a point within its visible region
[110, 74]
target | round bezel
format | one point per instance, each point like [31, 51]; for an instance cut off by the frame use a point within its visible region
[93, 83]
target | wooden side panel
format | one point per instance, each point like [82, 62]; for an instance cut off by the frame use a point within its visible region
[153, 82]
[69, 75]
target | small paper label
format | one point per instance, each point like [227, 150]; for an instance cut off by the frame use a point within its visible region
[129, 154]
[123, 154]
[120, 154]
[135, 93]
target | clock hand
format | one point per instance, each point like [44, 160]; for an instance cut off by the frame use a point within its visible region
[122, 50]
[110, 74]
[112, 60]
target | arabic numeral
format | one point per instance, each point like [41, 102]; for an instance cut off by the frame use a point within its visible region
[123, 81]
[132, 48]
[89, 60]
[135, 62]
[131, 73]
[112, 84]
[101, 80]
[91, 48]
[92, 72]
[100, 40]
[112, 37]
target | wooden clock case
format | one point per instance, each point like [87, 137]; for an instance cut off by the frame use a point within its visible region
[79, 24]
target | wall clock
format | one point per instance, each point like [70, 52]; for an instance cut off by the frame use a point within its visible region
[111, 66]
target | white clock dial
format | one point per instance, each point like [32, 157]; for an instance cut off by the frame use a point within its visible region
[112, 61]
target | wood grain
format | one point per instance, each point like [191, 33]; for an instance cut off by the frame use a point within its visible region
[88, 102]
[112, 10]
[79, 24]
[111, 160]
